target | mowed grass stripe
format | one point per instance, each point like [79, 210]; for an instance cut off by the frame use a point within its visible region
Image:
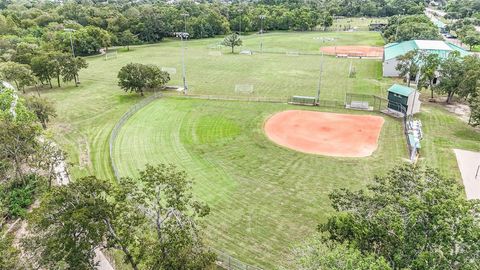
[264, 198]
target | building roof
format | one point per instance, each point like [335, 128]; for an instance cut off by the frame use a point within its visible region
[440, 47]
[432, 45]
[401, 90]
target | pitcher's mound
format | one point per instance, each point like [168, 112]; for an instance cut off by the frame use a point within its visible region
[329, 134]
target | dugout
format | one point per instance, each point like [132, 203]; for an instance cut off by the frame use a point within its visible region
[303, 100]
[403, 99]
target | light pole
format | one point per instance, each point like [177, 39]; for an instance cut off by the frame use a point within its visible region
[183, 37]
[320, 80]
[398, 23]
[70, 31]
[240, 30]
[262, 17]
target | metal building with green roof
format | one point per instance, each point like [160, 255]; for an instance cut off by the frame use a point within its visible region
[393, 50]
[403, 99]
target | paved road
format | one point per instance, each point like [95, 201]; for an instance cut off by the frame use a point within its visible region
[436, 12]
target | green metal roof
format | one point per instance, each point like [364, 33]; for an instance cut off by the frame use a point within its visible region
[401, 90]
[394, 50]
[442, 48]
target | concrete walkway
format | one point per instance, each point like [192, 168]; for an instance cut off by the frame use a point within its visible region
[469, 165]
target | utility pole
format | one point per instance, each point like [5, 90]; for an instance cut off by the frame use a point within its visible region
[262, 17]
[183, 37]
[320, 81]
[70, 31]
[398, 23]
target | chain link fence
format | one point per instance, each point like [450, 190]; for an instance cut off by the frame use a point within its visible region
[118, 126]
[226, 261]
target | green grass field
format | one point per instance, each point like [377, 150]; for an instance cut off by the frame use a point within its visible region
[361, 23]
[87, 114]
[265, 199]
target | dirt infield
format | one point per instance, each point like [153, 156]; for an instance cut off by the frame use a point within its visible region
[468, 163]
[329, 134]
[354, 51]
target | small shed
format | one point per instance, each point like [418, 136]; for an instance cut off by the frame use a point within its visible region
[403, 99]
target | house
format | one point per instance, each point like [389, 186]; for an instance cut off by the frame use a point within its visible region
[403, 99]
[393, 50]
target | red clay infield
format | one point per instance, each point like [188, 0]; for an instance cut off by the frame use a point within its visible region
[329, 134]
[355, 51]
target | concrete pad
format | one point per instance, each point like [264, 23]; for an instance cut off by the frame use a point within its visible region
[468, 163]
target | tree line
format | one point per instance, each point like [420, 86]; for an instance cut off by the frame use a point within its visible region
[123, 23]
[410, 27]
[27, 162]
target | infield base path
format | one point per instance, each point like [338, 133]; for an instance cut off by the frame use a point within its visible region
[329, 134]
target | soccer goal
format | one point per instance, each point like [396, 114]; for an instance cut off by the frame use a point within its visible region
[292, 53]
[110, 55]
[243, 89]
[246, 52]
[170, 70]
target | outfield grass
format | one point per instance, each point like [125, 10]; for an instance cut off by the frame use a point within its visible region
[264, 198]
[271, 74]
[361, 23]
[86, 114]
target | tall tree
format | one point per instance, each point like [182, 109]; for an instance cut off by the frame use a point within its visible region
[70, 68]
[131, 78]
[408, 65]
[430, 62]
[69, 225]
[452, 74]
[20, 74]
[472, 38]
[474, 103]
[173, 213]
[126, 38]
[156, 78]
[42, 108]
[320, 253]
[135, 77]
[412, 217]
[152, 220]
[233, 40]
[18, 133]
[43, 68]
[325, 20]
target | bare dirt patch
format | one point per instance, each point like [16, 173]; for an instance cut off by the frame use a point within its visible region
[354, 51]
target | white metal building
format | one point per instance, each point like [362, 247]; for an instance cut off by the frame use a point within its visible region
[393, 50]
